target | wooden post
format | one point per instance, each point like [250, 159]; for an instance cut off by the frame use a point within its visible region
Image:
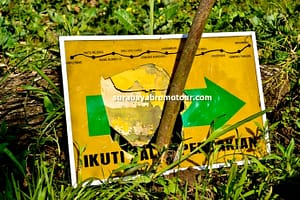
[181, 73]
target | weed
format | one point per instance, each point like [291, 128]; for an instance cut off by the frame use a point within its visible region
[29, 42]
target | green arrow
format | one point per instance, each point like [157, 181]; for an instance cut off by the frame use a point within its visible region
[97, 118]
[213, 103]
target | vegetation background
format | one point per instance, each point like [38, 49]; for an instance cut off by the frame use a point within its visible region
[33, 163]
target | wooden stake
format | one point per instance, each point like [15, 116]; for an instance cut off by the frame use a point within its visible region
[181, 73]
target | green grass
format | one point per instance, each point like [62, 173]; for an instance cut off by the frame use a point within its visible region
[29, 33]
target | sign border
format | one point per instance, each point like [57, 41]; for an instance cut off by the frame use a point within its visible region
[62, 39]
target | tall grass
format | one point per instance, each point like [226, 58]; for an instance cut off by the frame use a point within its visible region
[29, 42]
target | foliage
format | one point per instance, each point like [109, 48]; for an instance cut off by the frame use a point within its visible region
[29, 33]
[12, 164]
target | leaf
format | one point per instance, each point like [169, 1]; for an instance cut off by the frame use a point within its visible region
[3, 146]
[91, 12]
[242, 181]
[48, 104]
[3, 128]
[290, 149]
[44, 76]
[298, 124]
[255, 21]
[126, 20]
[34, 89]
[281, 148]
[14, 160]
[123, 194]
[270, 18]
[221, 131]
[172, 187]
[170, 11]
[274, 157]
[143, 179]
[258, 165]
[231, 178]
[281, 55]
[55, 17]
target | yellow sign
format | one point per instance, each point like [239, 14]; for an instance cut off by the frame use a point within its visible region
[115, 89]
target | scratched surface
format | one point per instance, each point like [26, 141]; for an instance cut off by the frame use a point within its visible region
[224, 77]
[127, 98]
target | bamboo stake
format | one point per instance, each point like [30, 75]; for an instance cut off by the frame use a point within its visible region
[181, 73]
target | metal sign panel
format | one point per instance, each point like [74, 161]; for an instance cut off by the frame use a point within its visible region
[115, 89]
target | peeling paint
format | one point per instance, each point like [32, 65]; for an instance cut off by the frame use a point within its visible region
[130, 112]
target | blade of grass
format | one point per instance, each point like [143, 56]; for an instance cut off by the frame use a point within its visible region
[221, 131]
[230, 182]
[44, 76]
[16, 187]
[239, 189]
[216, 134]
[14, 159]
[127, 191]
[111, 195]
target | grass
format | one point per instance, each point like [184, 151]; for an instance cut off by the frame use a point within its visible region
[29, 33]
